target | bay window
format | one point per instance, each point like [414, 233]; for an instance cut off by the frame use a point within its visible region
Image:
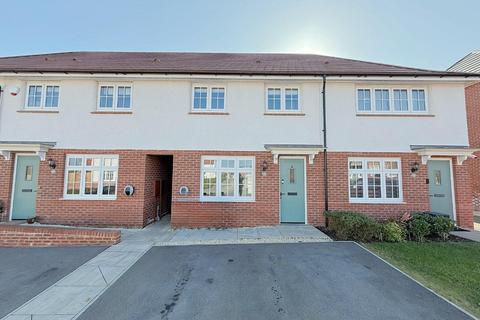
[227, 178]
[375, 180]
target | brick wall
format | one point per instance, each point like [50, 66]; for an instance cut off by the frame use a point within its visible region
[472, 100]
[142, 168]
[189, 211]
[6, 180]
[29, 236]
[463, 194]
[415, 189]
[124, 211]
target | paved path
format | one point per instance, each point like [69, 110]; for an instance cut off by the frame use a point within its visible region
[25, 272]
[69, 297]
[335, 280]
[469, 235]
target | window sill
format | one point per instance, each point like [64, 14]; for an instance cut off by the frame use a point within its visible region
[284, 114]
[37, 111]
[202, 199]
[215, 113]
[407, 115]
[111, 112]
[384, 202]
[89, 199]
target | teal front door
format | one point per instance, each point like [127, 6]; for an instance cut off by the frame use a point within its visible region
[25, 191]
[292, 191]
[440, 187]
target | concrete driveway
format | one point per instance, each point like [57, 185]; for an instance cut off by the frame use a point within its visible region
[25, 272]
[336, 280]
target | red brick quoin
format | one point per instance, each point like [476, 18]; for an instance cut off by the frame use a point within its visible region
[26, 236]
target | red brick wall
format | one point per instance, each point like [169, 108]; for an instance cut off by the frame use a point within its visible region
[463, 194]
[189, 211]
[124, 211]
[142, 168]
[6, 180]
[29, 236]
[415, 189]
[472, 99]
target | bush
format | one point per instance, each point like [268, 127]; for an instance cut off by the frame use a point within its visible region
[441, 227]
[393, 232]
[353, 226]
[419, 227]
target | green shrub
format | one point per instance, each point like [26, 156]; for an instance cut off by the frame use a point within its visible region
[353, 226]
[441, 227]
[419, 227]
[393, 232]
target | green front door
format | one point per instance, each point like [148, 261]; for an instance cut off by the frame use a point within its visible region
[25, 191]
[440, 187]
[292, 190]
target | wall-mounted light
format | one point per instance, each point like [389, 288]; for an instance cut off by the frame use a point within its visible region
[264, 168]
[52, 164]
[414, 168]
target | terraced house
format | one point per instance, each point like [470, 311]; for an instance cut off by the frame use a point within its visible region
[120, 139]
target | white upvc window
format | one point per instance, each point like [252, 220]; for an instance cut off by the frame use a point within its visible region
[228, 179]
[375, 180]
[210, 98]
[91, 176]
[114, 97]
[282, 99]
[42, 96]
[394, 100]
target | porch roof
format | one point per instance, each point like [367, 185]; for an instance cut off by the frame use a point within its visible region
[309, 150]
[461, 152]
[39, 148]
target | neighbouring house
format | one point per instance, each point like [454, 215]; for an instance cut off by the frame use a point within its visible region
[217, 139]
[471, 63]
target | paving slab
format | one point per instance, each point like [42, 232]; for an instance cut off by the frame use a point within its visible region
[329, 280]
[469, 235]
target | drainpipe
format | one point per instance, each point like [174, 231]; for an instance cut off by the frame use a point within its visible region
[324, 130]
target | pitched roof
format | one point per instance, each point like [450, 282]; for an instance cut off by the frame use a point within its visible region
[469, 63]
[206, 63]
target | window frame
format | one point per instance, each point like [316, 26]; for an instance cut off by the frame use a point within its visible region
[373, 110]
[43, 96]
[219, 170]
[283, 99]
[209, 87]
[382, 171]
[83, 168]
[115, 86]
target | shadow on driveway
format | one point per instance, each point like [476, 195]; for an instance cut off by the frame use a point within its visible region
[25, 272]
[266, 281]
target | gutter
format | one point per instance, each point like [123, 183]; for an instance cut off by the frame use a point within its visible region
[324, 130]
